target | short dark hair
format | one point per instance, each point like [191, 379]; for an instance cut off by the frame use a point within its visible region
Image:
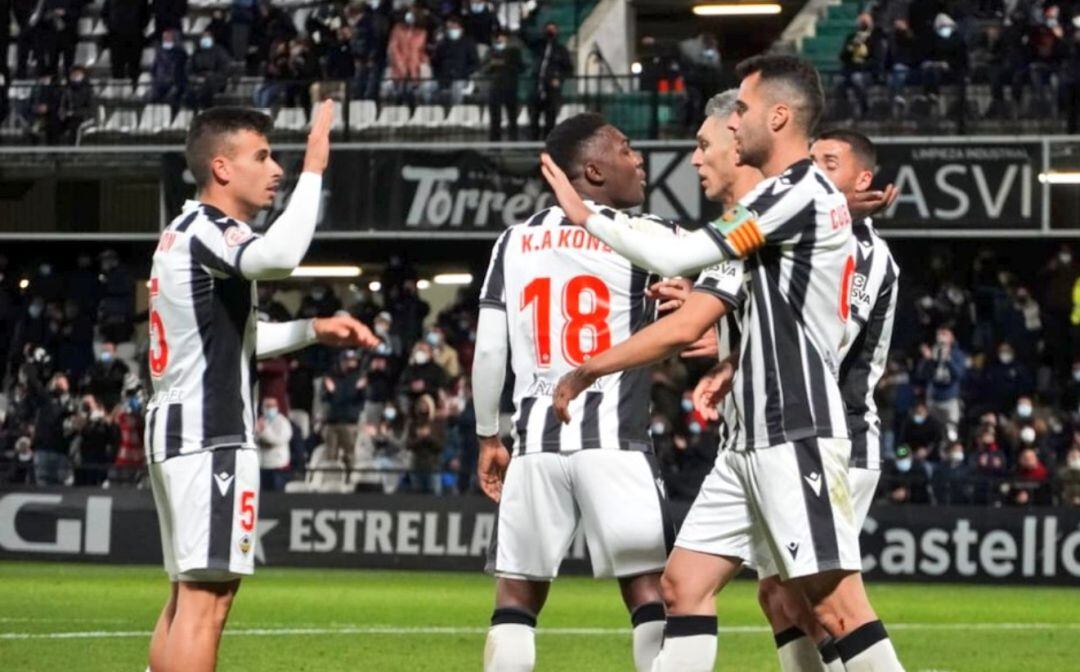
[861, 146]
[208, 130]
[796, 73]
[566, 140]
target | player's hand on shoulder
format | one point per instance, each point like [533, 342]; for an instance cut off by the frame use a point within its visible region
[864, 204]
[569, 200]
[318, 144]
[671, 293]
[344, 331]
[491, 466]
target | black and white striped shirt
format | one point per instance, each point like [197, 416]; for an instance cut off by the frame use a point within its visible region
[794, 233]
[202, 336]
[873, 307]
[567, 296]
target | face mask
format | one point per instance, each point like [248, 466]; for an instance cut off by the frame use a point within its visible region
[410, 18]
[710, 54]
[318, 294]
[35, 310]
[499, 46]
[1006, 357]
[382, 329]
[105, 357]
[477, 7]
[903, 465]
[956, 296]
[694, 428]
[1075, 464]
[687, 405]
[374, 4]
[421, 358]
[1065, 258]
[206, 42]
[97, 414]
[945, 32]
[434, 340]
[1023, 410]
[919, 419]
[956, 458]
[1027, 435]
[1076, 375]
[454, 33]
[77, 79]
[167, 45]
[658, 429]
[389, 414]
[134, 405]
[271, 413]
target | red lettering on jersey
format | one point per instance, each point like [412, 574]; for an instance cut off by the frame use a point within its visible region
[545, 244]
[564, 237]
[579, 238]
[840, 217]
[526, 243]
[167, 240]
[593, 244]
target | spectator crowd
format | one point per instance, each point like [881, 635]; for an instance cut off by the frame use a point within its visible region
[424, 51]
[980, 402]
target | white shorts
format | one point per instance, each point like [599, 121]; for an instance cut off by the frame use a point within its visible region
[864, 484]
[786, 509]
[615, 495]
[207, 506]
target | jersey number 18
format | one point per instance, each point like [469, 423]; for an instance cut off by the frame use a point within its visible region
[593, 319]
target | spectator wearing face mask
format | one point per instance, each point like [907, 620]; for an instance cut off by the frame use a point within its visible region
[952, 478]
[1005, 380]
[95, 443]
[391, 457]
[409, 312]
[21, 470]
[1030, 483]
[169, 78]
[105, 379]
[50, 409]
[862, 58]
[906, 478]
[125, 21]
[921, 429]
[1068, 479]
[700, 63]
[426, 435]
[455, 61]
[372, 38]
[422, 375]
[130, 425]
[442, 353]
[76, 103]
[942, 371]
[273, 432]
[480, 22]
[116, 311]
[502, 67]
[343, 398]
[208, 72]
[947, 60]
[407, 52]
[990, 466]
[391, 346]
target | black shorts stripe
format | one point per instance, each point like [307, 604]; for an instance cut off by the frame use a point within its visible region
[665, 510]
[522, 425]
[221, 508]
[151, 435]
[222, 309]
[551, 440]
[174, 429]
[819, 511]
[590, 420]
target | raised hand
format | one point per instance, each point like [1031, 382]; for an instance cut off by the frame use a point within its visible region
[569, 200]
[318, 143]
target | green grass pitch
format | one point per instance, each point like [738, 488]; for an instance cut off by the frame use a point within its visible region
[95, 617]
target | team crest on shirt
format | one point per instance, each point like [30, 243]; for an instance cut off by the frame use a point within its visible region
[245, 544]
[237, 234]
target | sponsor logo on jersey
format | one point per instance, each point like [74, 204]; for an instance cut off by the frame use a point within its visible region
[235, 235]
[224, 482]
[814, 481]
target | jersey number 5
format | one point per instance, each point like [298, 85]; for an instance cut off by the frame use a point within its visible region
[159, 350]
[591, 319]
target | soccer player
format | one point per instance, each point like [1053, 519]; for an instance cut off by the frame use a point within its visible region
[554, 296]
[783, 484]
[204, 462]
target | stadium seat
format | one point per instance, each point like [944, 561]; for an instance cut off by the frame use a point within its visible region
[465, 116]
[155, 119]
[302, 420]
[198, 25]
[85, 53]
[427, 116]
[147, 58]
[182, 120]
[392, 116]
[86, 25]
[99, 29]
[291, 119]
[142, 89]
[325, 475]
[571, 110]
[20, 89]
[362, 114]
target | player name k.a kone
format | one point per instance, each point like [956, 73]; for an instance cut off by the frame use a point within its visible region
[565, 238]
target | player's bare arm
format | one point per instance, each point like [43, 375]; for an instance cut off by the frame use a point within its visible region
[668, 256]
[656, 342]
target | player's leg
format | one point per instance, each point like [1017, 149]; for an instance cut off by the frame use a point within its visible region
[801, 642]
[201, 611]
[629, 532]
[159, 639]
[714, 540]
[535, 527]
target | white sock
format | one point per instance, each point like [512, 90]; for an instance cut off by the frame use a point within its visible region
[689, 645]
[797, 653]
[830, 657]
[868, 649]
[511, 642]
[648, 620]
